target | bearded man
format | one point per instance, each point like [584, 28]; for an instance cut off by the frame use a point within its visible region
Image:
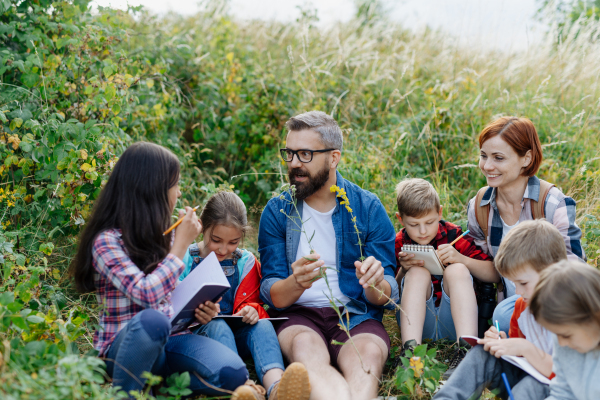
[292, 262]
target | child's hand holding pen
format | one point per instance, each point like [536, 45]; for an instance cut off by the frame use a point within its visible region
[492, 334]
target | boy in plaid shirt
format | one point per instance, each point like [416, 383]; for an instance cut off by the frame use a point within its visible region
[426, 298]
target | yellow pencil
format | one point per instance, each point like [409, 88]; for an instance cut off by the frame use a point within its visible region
[176, 224]
[456, 240]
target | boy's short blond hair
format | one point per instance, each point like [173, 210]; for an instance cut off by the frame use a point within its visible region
[416, 197]
[535, 243]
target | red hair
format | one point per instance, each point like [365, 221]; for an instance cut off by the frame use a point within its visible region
[521, 135]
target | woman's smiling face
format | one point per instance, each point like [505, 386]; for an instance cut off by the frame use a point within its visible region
[500, 163]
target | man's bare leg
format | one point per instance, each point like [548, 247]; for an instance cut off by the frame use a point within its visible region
[302, 344]
[374, 352]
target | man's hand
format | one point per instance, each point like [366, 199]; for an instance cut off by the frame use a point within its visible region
[407, 263]
[207, 311]
[249, 314]
[369, 272]
[503, 347]
[306, 269]
[449, 255]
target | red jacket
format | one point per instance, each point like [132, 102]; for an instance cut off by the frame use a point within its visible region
[247, 292]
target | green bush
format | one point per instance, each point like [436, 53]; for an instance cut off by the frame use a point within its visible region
[76, 88]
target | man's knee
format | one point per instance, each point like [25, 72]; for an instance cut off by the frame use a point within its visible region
[307, 346]
[155, 324]
[371, 348]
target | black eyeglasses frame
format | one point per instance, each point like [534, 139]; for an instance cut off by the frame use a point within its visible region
[283, 151]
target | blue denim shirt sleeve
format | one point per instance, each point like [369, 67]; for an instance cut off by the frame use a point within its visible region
[271, 246]
[380, 244]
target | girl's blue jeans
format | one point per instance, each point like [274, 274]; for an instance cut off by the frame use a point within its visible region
[258, 341]
[145, 345]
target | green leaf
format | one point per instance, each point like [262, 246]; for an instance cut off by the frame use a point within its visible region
[30, 79]
[107, 70]
[109, 92]
[46, 248]
[3, 117]
[7, 298]
[431, 353]
[19, 322]
[421, 350]
[34, 319]
[430, 386]
[62, 164]
[15, 123]
[20, 260]
[185, 380]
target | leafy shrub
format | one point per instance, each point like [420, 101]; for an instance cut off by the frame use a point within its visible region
[421, 373]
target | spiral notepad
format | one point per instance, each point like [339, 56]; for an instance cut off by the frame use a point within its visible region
[427, 254]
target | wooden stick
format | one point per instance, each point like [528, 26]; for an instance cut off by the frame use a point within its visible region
[456, 240]
[176, 224]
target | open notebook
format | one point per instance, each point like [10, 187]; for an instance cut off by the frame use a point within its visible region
[520, 362]
[206, 282]
[425, 253]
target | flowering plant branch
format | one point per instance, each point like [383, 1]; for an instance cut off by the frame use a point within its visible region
[341, 193]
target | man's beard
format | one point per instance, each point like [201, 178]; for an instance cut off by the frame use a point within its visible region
[307, 188]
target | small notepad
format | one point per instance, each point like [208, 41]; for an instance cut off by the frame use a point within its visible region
[427, 254]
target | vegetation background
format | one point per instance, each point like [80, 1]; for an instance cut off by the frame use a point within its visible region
[76, 88]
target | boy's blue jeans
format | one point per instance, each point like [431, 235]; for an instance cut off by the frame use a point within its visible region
[145, 345]
[258, 341]
[480, 370]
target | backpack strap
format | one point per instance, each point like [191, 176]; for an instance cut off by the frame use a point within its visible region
[538, 207]
[482, 213]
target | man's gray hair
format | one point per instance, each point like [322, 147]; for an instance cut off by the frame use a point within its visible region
[325, 125]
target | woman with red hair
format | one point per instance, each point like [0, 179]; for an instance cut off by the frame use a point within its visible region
[510, 156]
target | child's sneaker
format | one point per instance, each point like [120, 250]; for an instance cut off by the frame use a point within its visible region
[249, 391]
[459, 354]
[409, 345]
[294, 384]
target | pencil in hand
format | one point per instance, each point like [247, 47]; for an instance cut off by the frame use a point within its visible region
[176, 224]
[458, 238]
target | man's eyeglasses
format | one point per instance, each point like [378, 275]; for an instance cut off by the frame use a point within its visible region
[303, 155]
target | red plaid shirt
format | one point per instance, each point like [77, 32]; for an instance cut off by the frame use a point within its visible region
[122, 290]
[447, 232]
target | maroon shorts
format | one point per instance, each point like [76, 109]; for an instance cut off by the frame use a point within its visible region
[324, 321]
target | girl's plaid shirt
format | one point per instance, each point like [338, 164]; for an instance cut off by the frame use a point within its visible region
[122, 290]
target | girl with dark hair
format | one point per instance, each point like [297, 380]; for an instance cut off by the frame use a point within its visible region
[124, 257]
[224, 224]
[566, 301]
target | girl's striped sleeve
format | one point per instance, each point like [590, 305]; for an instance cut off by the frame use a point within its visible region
[146, 290]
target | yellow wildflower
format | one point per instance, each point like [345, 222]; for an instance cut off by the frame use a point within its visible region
[417, 365]
[334, 188]
[349, 209]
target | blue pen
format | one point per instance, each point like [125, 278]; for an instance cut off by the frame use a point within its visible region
[498, 329]
[505, 379]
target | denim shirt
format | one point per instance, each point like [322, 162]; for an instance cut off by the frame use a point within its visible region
[279, 238]
[192, 259]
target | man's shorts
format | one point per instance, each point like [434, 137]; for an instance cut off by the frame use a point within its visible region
[324, 321]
